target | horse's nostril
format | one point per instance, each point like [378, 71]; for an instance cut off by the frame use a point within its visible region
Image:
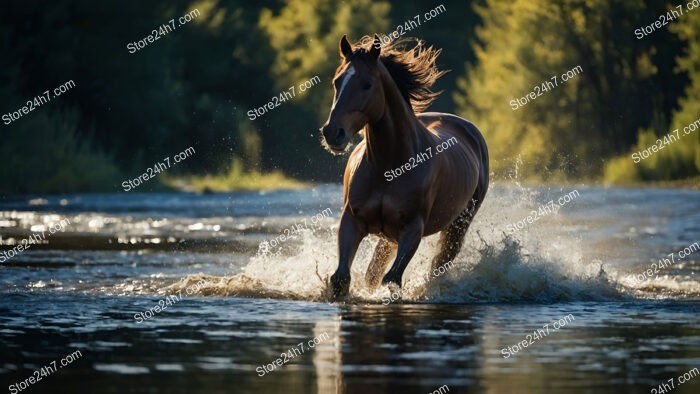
[341, 133]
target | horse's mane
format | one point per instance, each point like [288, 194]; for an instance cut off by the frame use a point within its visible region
[412, 68]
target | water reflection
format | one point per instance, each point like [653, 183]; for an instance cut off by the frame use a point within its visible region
[327, 357]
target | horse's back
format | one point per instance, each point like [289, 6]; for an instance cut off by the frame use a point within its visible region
[443, 123]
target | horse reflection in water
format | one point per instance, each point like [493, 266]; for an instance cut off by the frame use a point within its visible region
[383, 90]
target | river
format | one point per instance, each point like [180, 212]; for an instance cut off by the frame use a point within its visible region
[556, 290]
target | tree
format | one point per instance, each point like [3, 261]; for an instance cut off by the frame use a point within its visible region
[688, 29]
[564, 128]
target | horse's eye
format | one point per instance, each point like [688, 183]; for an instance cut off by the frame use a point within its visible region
[367, 85]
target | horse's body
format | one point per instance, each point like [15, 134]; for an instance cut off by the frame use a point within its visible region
[439, 187]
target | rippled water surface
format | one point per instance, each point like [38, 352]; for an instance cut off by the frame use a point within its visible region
[181, 293]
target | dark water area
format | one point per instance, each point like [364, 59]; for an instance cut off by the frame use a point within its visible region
[182, 293]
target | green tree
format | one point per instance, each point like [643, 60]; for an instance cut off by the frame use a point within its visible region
[565, 131]
[688, 29]
[679, 158]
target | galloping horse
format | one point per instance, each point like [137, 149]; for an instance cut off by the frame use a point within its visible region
[404, 180]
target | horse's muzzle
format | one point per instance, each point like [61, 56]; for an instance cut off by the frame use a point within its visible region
[336, 138]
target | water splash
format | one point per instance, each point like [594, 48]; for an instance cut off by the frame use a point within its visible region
[539, 264]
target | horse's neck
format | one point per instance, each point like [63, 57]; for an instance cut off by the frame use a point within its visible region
[396, 137]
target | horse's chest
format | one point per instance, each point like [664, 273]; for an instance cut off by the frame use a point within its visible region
[383, 211]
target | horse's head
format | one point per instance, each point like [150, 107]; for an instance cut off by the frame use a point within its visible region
[359, 95]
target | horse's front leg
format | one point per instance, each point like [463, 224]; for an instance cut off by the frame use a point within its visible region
[408, 244]
[350, 233]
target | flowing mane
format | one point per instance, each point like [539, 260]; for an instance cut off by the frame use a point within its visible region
[412, 68]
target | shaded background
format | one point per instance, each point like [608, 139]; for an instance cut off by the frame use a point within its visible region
[193, 87]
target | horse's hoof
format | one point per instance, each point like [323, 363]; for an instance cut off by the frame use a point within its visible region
[340, 285]
[391, 279]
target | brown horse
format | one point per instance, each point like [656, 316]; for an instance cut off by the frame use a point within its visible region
[413, 174]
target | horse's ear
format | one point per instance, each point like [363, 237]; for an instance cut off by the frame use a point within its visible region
[376, 47]
[345, 47]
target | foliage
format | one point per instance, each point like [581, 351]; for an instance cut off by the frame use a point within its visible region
[195, 85]
[43, 151]
[681, 158]
[570, 127]
[235, 179]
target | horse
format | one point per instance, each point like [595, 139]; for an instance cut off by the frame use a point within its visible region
[403, 180]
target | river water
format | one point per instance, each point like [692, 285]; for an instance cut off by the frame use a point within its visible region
[597, 292]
